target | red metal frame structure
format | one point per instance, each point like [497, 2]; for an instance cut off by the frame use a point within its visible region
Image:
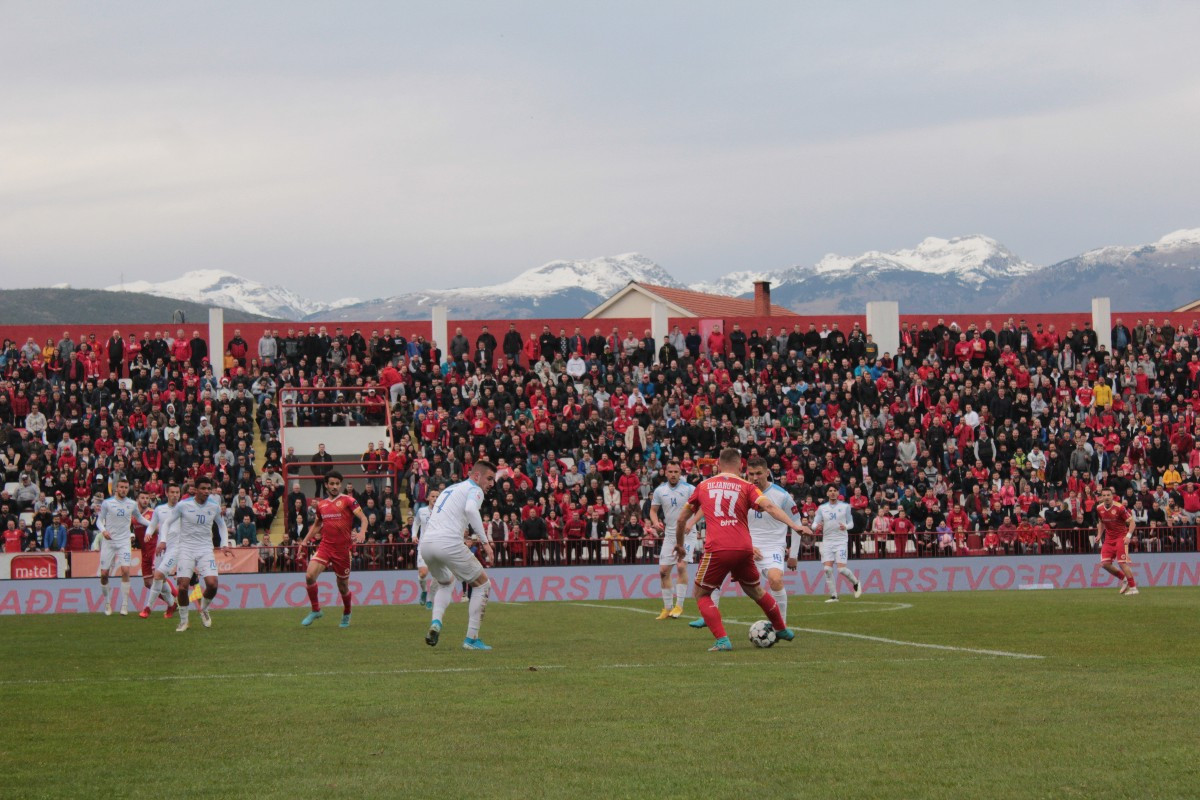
[292, 471]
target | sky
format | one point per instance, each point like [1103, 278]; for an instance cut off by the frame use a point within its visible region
[372, 148]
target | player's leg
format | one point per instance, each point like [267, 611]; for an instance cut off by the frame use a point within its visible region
[210, 591]
[746, 573]
[665, 583]
[830, 580]
[442, 596]
[342, 575]
[315, 568]
[845, 570]
[104, 587]
[482, 589]
[1130, 581]
[709, 576]
[681, 584]
[774, 578]
[184, 580]
[1106, 563]
[126, 588]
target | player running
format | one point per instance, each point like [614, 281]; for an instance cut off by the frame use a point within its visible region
[447, 556]
[768, 535]
[419, 522]
[1115, 528]
[668, 499]
[115, 522]
[141, 519]
[724, 501]
[166, 553]
[195, 517]
[832, 522]
[335, 523]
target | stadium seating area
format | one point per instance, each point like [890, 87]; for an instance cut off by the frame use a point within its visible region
[965, 441]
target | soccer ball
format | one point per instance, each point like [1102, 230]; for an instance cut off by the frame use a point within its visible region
[762, 634]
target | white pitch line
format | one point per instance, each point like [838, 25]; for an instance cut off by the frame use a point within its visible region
[900, 642]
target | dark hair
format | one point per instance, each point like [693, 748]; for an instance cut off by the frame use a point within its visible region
[483, 463]
[756, 461]
[333, 473]
[202, 480]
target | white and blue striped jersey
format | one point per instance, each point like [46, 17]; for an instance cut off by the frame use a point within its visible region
[670, 501]
[766, 532]
[195, 522]
[116, 517]
[457, 509]
[837, 520]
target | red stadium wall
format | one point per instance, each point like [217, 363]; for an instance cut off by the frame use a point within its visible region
[251, 331]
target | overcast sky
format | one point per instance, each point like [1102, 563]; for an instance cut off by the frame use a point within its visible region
[369, 148]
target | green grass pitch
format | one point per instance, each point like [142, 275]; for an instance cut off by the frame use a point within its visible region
[580, 701]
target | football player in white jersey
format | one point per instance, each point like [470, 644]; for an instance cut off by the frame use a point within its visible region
[420, 520]
[832, 522]
[768, 534]
[116, 552]
[448, 557]
[666, 504]
[195, 517]
[166, 553]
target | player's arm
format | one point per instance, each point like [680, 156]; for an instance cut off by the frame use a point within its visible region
[222, 530]
[313, 530]
[475, 521]
[658, 523]
[793, 559]
[102, 520]
[1130, 527]
[768, 506]
[362, 527]
[687, 520]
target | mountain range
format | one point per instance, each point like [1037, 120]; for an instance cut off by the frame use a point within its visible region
[957, 275]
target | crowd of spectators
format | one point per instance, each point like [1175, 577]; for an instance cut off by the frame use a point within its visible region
[965, 440]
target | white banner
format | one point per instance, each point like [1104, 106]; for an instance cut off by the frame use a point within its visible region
[531, 585]
[29, 566]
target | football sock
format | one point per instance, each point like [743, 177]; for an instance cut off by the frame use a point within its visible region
[767, 603]
[346, 603]
[104, 592]
[850, 575]
[204, 602]
[830, 582]
[1132, 580]
[667, 596]
[183, 613]
[712, 616]
[155, 592]
[128, 589]
[430, 586]
[167, 594]
[312, 596]
[442, 599]
[716, 597]
[479, 601]
[781, 600]
[680, 594]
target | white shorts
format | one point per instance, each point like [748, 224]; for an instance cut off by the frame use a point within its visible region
[196, 562]
[666, 553]
[420, 561]
[114, 555]
[166, 561]
[834, 551]
[450, 561]
[772, 558]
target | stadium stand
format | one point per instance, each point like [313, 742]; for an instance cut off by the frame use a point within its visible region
[969, 440]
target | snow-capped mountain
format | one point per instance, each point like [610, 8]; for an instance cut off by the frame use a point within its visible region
[956, 275]
[220, 288]
[556, 289]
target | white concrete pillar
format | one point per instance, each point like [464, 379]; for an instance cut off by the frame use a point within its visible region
[658, 325]
[883, 323]
[441, 331]
[216, 341]
[1102, 321]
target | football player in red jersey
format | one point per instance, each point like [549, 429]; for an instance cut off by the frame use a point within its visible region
[724, 500]
[1115, 529]
[335, 523]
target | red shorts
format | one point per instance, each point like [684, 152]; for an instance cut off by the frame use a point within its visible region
[148, 559]
[715, 566]
[336, 560]
[1114, 551]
